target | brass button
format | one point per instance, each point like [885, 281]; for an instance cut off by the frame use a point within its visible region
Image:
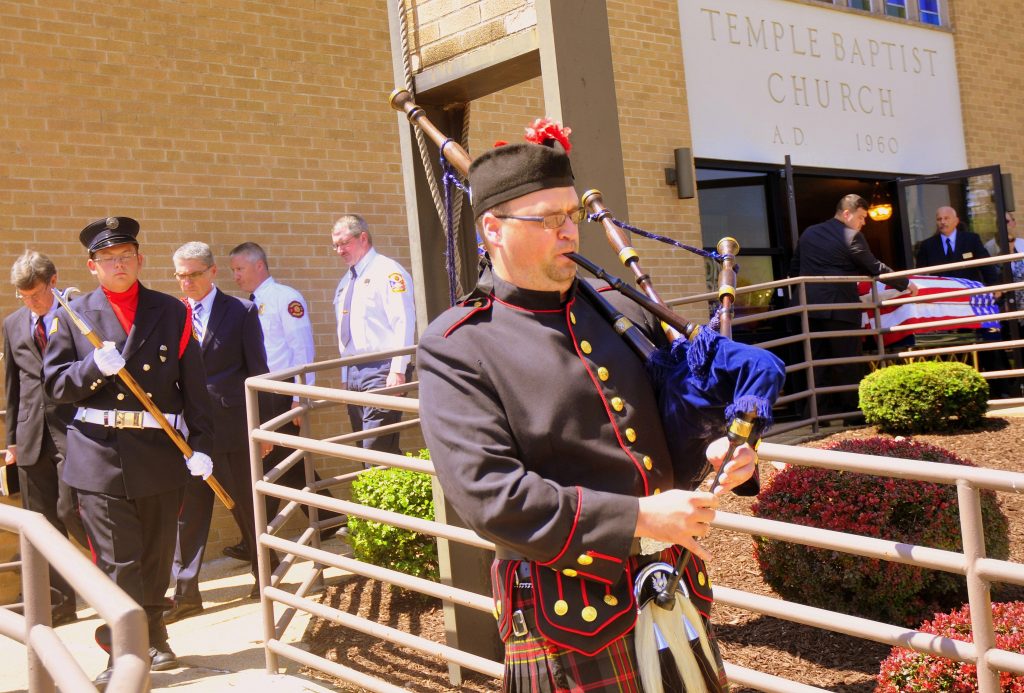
[477, 304]
[572, 317]
[589, 614]
[630, 435]
[497, 613]
[149, 394]
[569, 572]
[618, 404]
[584, 559]
[120, 395]
[602, 373]
[700, 578]
[561, 608]
[656, 491]
[585, 347]
[146, 366]
[610, 600]
[648, 463]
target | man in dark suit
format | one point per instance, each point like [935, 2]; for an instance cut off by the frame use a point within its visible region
[951, 244]
[228, 329]
[128, 475]
[837, 248]
[36, 427]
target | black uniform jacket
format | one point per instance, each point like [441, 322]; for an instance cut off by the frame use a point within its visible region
[28, 408]
[544, 430]
[128, 462]
[833, 249]
[968, 246]
[232, 351]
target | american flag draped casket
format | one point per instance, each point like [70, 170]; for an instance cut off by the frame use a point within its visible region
[936, 308]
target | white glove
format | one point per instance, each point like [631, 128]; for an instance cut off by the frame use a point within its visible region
[107, 359]
[200, 464]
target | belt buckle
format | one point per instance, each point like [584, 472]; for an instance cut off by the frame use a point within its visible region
[128, 419]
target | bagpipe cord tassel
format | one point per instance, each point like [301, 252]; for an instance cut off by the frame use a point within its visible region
[673, 626]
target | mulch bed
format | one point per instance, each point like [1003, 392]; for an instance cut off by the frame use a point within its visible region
[809, 655]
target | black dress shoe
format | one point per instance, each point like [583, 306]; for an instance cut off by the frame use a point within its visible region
[182, 610]
[62, 616]
[161, 658]
[103, 679]
[254, 593]
[240, 551]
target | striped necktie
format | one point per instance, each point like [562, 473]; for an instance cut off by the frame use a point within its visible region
[346, 310]
[39, 333]
[197, 322]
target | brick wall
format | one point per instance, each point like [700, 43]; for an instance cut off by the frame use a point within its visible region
[990, 63]
[442, 29]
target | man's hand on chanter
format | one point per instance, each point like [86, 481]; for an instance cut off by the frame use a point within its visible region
[737, 470]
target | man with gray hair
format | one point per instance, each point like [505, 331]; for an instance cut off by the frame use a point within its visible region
[36, 426]
[376, 312]
[229, 334]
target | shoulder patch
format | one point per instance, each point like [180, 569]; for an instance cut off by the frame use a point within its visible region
[295, 309]
[396, 282]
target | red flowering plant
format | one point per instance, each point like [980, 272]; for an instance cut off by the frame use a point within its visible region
[906, 670]
[543, 130]
[902, 510]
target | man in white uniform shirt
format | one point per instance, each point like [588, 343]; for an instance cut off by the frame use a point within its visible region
[288, 339]
[376, 312]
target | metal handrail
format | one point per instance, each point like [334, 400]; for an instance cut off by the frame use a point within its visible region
[49, 662]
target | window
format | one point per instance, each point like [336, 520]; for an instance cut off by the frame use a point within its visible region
[930, 12]
[896, 8]
[926, 11]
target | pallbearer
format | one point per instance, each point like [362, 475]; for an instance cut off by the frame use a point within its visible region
[546, 435]
[128, 474]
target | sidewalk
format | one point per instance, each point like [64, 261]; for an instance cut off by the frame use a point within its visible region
[220, 649]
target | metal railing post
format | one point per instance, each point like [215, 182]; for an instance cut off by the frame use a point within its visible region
[978, 593]
[35, 590]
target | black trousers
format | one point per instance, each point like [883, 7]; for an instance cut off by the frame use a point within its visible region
[43, 491]
[296, 476]
[827, 376]
[133, 540]
[372, 376]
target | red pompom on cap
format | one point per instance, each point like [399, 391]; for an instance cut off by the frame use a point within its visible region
[544, 129]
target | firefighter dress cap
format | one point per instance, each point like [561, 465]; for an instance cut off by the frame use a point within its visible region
[104, 233]
[512, 170]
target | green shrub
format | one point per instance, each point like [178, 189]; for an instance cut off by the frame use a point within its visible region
[902, 510]
[401, 491]
[924, 397]
[907, 670]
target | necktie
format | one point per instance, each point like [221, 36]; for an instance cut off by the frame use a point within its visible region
[197, 322]
[949, 246]
[252, 297]
[346, 310]
[40, 334]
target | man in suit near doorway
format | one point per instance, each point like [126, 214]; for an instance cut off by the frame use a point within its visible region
[228, 330]
[949, 244]
[838, 248]
[36, 426]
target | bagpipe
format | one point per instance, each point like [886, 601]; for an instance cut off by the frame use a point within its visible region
[707, 386]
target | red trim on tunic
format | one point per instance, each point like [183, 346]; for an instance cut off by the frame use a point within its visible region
[485, 306]
[572, 531]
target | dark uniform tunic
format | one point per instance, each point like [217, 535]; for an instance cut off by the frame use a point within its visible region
[130, 480]
[544, 429]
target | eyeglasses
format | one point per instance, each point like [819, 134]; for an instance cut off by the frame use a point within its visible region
[116, 259]
[182, 276]
[551, 221]
[34, 296]
[345, 243]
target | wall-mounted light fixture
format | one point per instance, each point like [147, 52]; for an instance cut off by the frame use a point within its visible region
[682, 175]
[880, 207]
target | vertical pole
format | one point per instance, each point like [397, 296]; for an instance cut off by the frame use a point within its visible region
[35, 590]
[978, 593]
[252, 415]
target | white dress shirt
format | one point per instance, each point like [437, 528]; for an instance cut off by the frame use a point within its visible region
[383, 310]
[287, 331]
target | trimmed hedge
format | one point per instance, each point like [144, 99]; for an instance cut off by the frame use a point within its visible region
[906, 670]
[902, 510]
[924, 397]
[402, 491]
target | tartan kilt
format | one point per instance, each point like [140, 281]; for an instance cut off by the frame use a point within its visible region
[535, 665]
